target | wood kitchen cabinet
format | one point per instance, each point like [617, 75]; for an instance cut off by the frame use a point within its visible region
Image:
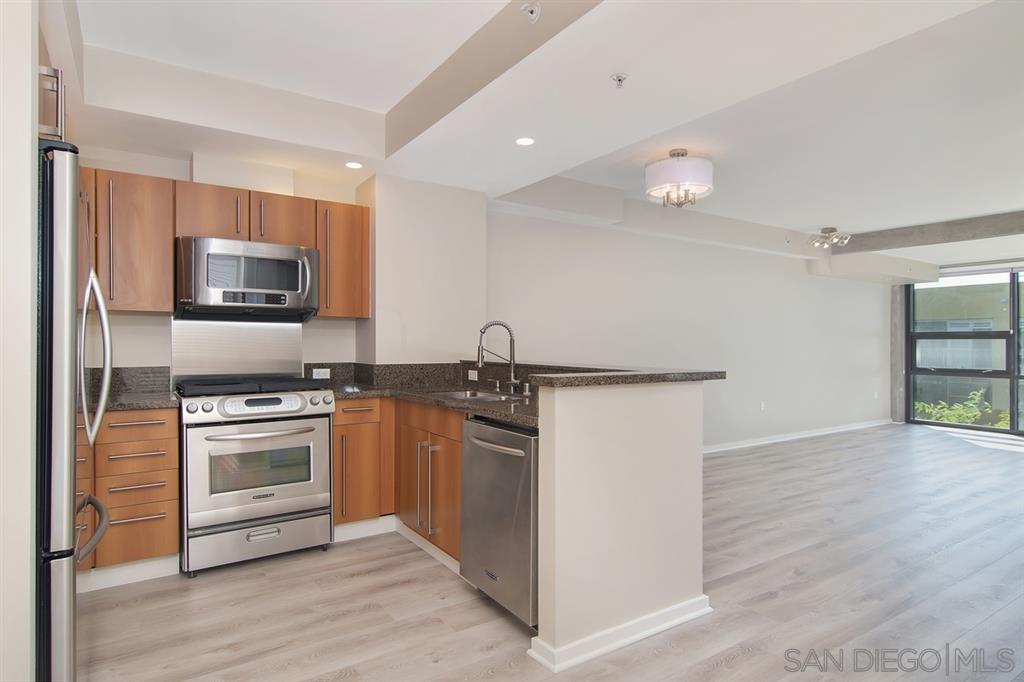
[443, 462]
[343, 239]
[86, 227]
[411, 491]
[202, 210]
[356, 472]
[135, 241]
[429, 476]
[282, 219]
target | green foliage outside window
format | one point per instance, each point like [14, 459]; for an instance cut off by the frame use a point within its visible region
[974, 410]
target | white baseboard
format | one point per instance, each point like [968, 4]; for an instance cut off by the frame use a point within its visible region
[600, 643]
[418, 540]
[161, 567]
[365, 529]
[796, 435]
[124, 574]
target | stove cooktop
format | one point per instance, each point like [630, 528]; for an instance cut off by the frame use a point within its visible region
[241, 384]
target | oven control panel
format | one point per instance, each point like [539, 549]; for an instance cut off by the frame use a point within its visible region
[207, 410]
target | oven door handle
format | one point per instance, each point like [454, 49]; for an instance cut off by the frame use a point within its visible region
[261, 434]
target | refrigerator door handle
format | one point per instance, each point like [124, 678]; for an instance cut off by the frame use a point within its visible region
[101, 526]
[92, 286]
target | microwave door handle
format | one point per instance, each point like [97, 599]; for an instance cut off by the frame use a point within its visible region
[306, 265]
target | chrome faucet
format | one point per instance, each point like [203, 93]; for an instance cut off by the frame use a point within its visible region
[511, 359]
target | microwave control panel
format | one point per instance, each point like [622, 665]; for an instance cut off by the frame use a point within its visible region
[254, 298]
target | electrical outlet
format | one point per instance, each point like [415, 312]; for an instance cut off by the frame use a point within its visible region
[321, 372]
[876, 395]
[763, 406]
[472, 375]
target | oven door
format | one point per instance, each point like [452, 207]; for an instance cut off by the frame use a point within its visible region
[235, 472]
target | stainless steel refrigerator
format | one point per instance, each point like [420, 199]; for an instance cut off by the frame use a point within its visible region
[61, 363]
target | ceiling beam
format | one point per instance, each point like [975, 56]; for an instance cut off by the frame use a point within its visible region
[499, 45]
[964, 229]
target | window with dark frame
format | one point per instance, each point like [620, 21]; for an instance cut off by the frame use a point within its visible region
[963, 359]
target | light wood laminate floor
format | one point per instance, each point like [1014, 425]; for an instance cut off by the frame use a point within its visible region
[891, 537]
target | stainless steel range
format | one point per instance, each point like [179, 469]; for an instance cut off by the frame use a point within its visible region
[256, 467]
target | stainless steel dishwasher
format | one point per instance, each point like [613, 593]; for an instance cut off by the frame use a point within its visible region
[499, 514]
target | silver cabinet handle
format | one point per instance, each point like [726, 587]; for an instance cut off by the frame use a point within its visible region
[344, 475]
[151, 517]
[110, 237]
[141, 422]
[262, 534]
[92, 427]
[140, 486]
[327, 219]
[261, 218]
[79, 460]
[238, 214]
[79, 493]
[358, 409]
[263, 434]
[431, 449]
[132, 455]
[419, 522]
[495, 447]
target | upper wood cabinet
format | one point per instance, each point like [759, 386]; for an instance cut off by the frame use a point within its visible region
[210, 211]
[343, 239]
[282, 219]
[86, 227]
[135, 241]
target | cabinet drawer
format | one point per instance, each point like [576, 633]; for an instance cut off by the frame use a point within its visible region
[132, 425]
[141, 531]
[80, 437]
[129, 489]
[83, 487]
[357, 411]
[447, 423]
[136, 456]
[83, 461]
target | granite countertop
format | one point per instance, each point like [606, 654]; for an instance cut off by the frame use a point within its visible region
[141, 400]
[624, 376]
[522, 411]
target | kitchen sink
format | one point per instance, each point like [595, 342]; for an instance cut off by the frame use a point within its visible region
[482, 396]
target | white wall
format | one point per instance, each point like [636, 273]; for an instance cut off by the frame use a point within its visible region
[429, 296]
[144, 339]
[814, 350]
[18, 211]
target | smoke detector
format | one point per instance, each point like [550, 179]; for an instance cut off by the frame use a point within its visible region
[619, 79]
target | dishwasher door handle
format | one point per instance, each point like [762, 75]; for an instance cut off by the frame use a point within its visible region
[497, 447]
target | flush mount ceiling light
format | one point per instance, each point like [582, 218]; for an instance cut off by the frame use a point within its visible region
[524, 141]
[680, 179]
[531, 10]
[828, 238]
[354, 165]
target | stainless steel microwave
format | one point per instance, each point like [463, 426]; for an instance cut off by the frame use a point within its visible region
[230, 279]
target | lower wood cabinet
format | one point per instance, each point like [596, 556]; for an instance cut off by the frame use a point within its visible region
[140, 531]
[357, 467]
[429, 474]
[133, 471]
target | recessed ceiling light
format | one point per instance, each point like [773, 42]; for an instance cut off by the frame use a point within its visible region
[524, 141]
[354, 165]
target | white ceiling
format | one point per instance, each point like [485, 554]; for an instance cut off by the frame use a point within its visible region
[924, 129]
[685, 60]
[363, 53]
